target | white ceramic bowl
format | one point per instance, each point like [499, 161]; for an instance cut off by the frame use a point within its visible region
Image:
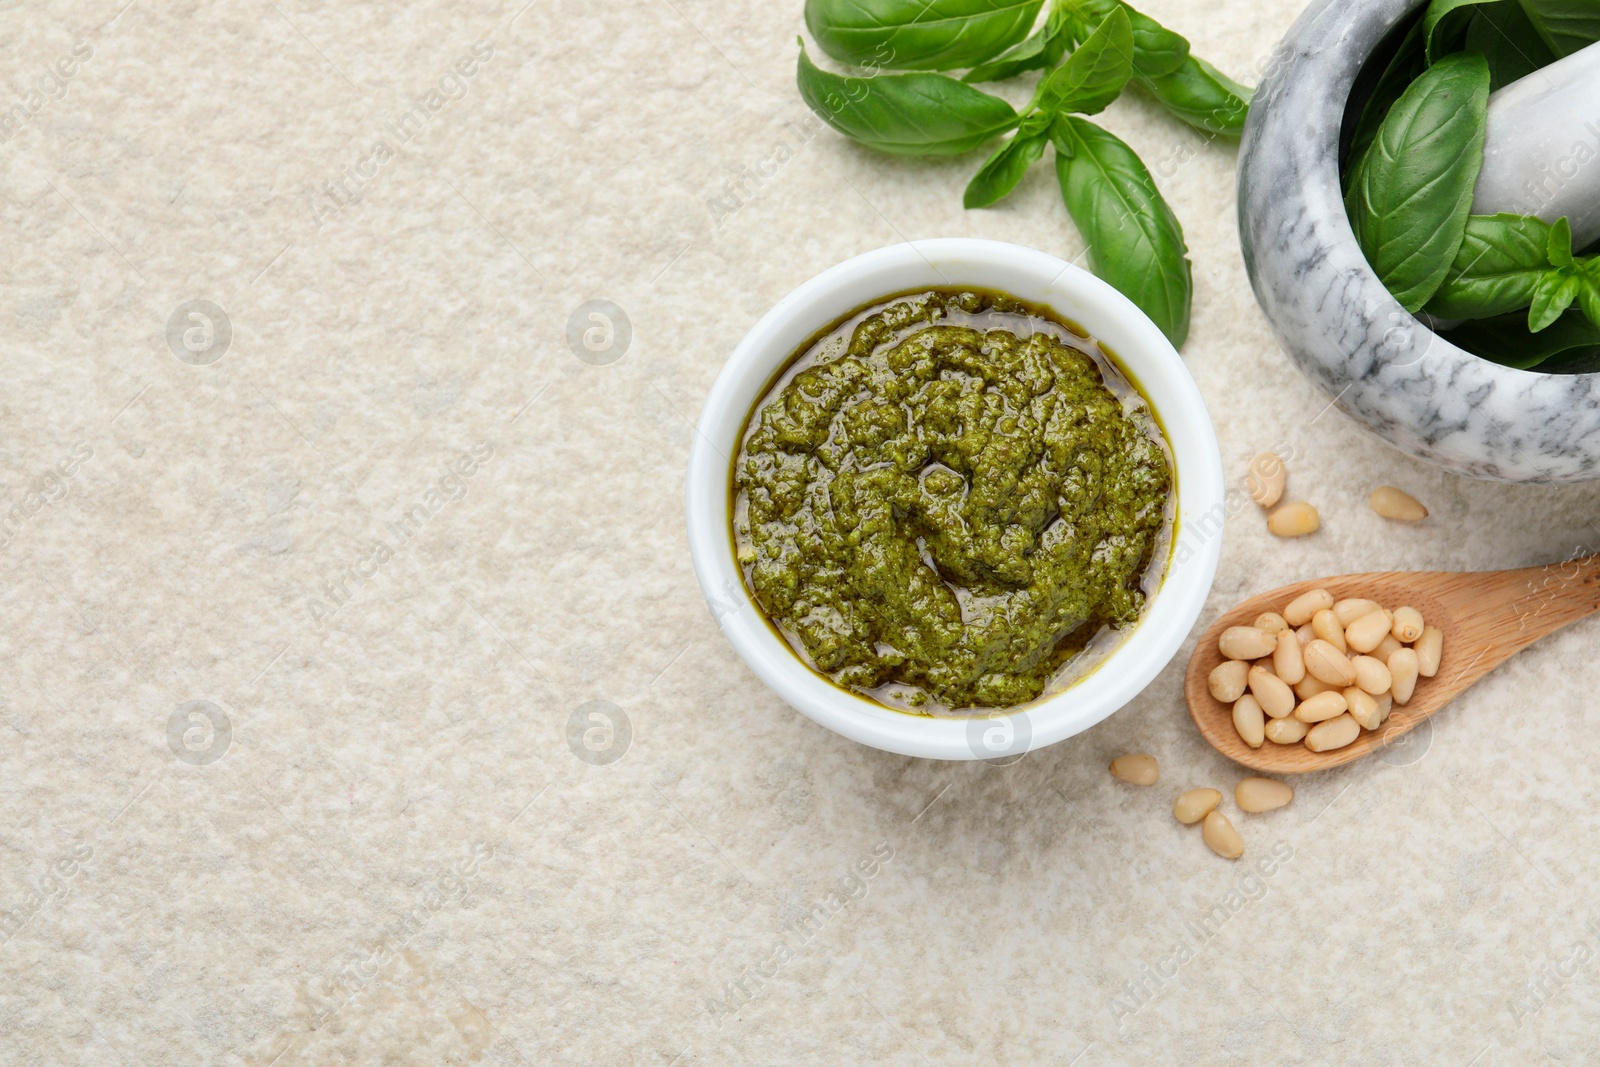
[1033, 276]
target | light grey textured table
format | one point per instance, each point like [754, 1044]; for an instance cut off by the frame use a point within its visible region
[398, 857]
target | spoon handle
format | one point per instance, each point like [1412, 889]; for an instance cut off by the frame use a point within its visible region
[1525, 605]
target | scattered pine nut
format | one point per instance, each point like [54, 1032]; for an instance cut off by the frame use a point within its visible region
[1266, 479]
[1332, 734]
[1386, 648]
[1294, 520]
[1249, 720]
[1246, 642]
[1195, 805]
[1304, 634]
[1287, 731]
[1430, 649]
[1304, 606]
[1407, 625]
[1221, 836]
[1227, 680]
[1256, 795]
[1137, 768]
[1397, 504]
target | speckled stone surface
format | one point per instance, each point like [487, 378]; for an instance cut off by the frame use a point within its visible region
[399, 538]
[1374, 360]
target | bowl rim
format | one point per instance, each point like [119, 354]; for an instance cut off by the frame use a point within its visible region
[1074, 294]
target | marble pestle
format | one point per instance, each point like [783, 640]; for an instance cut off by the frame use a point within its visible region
[1541, 151]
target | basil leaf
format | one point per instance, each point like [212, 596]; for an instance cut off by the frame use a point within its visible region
[1558, 243]
[1412, 191]
[1445, 24]
[1553, 295]
[918, 34]
[1095, 73]
[1133, 239]
[905, 114]
[1589, 297]
[1565, 25]
[1203, 96]
[1500, 262]
[1504, 339]
[1404, 67]
[1003, 170]
[1508, 41]
[1042, 50]
[1156, 49]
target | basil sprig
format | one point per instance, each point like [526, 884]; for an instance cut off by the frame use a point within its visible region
[1528, 300]
[918, 34]
[1088, 50]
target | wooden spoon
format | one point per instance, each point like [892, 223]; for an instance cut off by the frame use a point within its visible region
[1486, 617]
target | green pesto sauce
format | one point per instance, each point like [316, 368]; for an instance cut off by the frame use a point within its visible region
[942, 501]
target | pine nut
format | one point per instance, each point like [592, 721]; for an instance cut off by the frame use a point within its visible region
[1272, 693]
[1386, 648]
[1304, 634]
[1294, 520]
[1246, 642]
[1288, 661]
[1322, 707]
[1350, 609]
[1363, 708]
[1266, 479]
[1407, 625]
[1227, 680]
[1326, 626]
[1372, 674]
[1385, 706]
[1262, 794]
[1310, 686]
[1249, 720]
[1302, 607]
[1329, 664]
[1137, 768]
[1367, 632]
[1397, 504]
[1403, 666]
[1286, 731]
[1219, 833]
[1335, 733]
[1271, 622]
[1195, 805]
[1430, 649]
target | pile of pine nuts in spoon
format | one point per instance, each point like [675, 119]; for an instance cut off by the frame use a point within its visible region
[1323, 670]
